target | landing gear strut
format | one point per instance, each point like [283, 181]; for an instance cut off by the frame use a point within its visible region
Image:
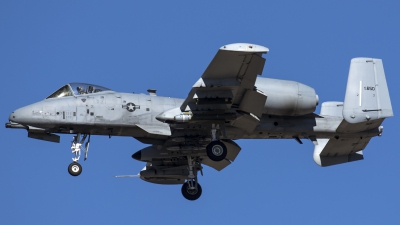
[216, 150]
[191, 190]
[75, 168]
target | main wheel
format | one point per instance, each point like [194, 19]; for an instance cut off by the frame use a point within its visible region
[191, 194]
[216, 151]
[75, 169]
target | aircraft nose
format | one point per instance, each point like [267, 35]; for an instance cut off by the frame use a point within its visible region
[22, 115]
[18, 115]
[11, 117]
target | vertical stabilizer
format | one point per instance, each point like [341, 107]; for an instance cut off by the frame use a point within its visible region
[367, 95]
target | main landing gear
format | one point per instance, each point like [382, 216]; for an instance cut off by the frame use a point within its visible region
[216, 150]
[191, 190]
[75, 169]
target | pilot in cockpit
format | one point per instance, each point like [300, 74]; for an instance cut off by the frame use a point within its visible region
[90, 89]
[80, 90]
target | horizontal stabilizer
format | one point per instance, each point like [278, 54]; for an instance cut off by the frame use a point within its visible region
[332, 109]
[328, 152]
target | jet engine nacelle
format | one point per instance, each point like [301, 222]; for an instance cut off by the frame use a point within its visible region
[287, 98]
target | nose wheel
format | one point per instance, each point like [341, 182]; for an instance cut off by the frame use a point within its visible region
[74, 169]
[191, 190]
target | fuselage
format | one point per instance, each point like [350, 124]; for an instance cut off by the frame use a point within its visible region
[119, 114]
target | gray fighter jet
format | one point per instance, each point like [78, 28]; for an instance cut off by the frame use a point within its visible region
[228, 102]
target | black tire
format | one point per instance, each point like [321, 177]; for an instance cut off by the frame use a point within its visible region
[74, 169]
[191, 194]
[216, 151]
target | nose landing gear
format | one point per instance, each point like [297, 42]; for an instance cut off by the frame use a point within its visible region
[75, 169]
[191, 190]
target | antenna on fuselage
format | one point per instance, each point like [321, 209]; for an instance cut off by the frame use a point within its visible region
[152, 92]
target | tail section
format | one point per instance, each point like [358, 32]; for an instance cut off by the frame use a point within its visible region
[367, 95]
[366, 105]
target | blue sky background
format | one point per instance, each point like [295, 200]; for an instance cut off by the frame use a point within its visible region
[130, 46]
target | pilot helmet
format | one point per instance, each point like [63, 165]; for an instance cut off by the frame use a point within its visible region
[79, 89]
[90, 89]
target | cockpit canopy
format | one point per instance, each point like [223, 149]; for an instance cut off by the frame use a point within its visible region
[75, 89]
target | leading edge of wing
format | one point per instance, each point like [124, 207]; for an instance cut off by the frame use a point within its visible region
[245, 47]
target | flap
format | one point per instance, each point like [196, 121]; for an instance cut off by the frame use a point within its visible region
[247, 122]
[253, 102]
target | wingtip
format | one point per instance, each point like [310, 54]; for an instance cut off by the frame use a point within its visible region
[245, 47]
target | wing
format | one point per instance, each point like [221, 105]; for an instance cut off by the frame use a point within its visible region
[224, 93]
[334, 151]
[226, 89]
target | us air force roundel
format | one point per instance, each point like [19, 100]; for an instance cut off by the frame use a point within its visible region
[131, 107]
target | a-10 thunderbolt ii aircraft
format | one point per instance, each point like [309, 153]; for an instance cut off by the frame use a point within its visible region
[228, 102]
